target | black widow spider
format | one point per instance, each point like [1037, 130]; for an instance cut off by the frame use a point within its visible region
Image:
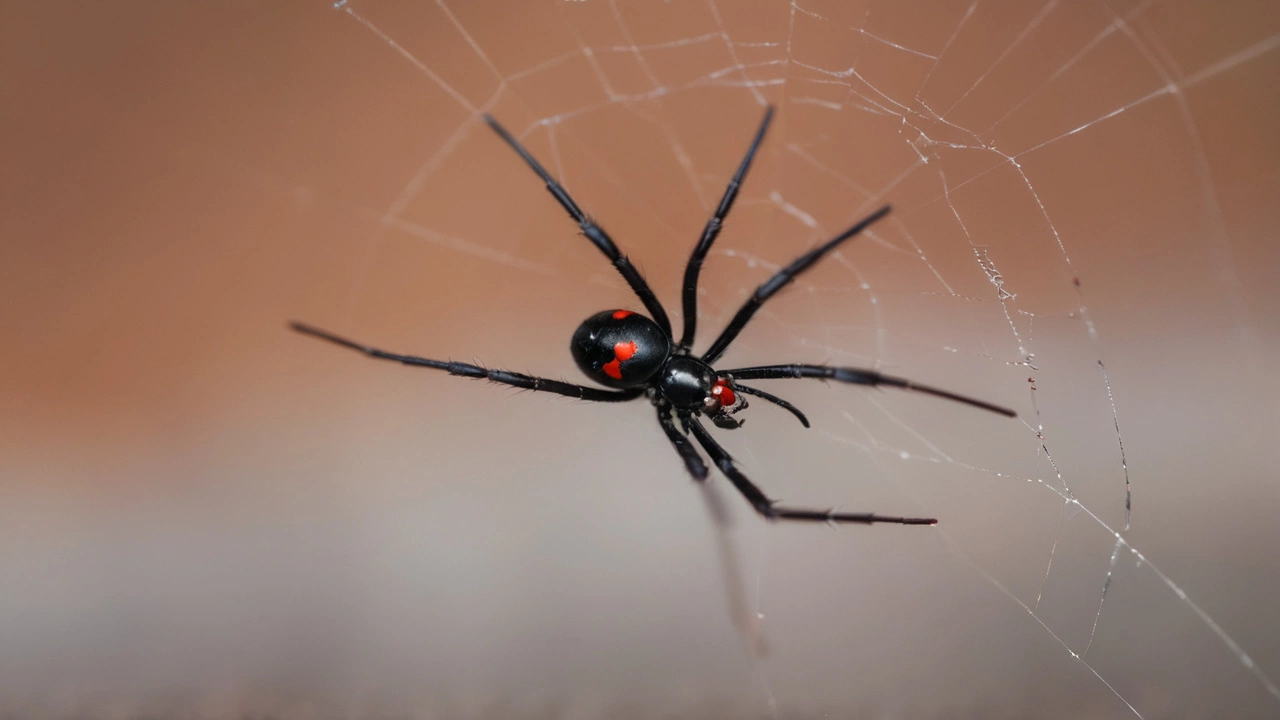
[638, 356]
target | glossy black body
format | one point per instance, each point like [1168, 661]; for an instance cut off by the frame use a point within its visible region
[639, 356]
[606, 338]
[623, 349]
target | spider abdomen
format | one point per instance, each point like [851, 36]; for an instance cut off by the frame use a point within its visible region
[620, 348]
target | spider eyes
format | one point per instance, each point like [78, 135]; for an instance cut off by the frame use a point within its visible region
[620, 348]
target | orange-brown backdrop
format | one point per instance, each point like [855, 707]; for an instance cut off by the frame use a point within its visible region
[203, 513]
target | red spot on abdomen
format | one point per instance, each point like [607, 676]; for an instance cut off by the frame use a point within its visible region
[620, 314]
[622, 351]
[625, 350]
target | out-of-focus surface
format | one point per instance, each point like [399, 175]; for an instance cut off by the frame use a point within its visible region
[204, 514]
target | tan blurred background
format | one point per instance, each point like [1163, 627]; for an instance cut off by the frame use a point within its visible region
[202, 514]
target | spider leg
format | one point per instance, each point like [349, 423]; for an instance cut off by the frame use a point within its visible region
[712, 230]
[857, 376]
[780, 280]
[688, 453]
[773, 399]
[594, 232]
[770, 508]
[505, 377]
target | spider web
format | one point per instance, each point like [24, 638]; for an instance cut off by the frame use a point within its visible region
[1080, 231]
[1039, 159]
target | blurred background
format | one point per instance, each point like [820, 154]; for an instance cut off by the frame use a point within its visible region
[205, 515]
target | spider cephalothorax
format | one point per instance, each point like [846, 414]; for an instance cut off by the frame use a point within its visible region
[637, 355]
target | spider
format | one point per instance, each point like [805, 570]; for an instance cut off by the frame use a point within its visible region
[636, 356]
